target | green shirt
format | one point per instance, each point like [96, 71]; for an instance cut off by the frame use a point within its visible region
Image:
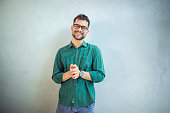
[78, 92]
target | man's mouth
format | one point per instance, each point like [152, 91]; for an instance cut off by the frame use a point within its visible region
[79, 33]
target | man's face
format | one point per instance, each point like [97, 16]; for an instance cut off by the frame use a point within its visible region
[79, 29]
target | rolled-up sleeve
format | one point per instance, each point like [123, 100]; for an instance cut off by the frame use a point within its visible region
[58, 70]
[98, 73]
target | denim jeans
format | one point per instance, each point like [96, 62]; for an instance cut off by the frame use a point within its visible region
[68, 109]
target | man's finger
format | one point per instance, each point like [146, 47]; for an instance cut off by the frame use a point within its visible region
[74, 65]
[76, 76]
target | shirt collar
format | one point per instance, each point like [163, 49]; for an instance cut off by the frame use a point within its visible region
[84, 44]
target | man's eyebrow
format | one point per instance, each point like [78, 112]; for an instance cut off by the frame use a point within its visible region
[79, 25]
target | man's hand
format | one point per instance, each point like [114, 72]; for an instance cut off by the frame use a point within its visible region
[67, 75]
[74, 71]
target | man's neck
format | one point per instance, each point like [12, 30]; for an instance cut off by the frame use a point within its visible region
[77, 43]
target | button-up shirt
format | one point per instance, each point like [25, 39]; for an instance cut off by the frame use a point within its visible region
[78, 92]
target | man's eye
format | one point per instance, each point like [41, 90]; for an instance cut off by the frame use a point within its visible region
[77, 26]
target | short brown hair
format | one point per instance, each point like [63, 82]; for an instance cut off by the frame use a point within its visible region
[82, 17]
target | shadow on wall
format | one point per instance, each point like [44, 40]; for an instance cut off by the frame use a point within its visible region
[47, 94]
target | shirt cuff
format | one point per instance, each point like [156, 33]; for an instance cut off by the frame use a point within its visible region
[96, 76]
[57, 77]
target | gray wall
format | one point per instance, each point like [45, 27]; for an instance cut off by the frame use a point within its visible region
[133, 35]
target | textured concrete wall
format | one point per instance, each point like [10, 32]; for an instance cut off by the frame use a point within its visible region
[133, 35]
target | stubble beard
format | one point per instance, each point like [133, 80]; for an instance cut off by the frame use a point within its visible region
[80, 38]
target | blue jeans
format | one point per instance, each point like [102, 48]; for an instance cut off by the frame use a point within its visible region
[68, 109]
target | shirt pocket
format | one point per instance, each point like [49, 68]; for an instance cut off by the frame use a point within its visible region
[86, 63]
[67, 61]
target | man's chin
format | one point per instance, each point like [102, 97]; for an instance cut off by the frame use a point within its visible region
[81, 38]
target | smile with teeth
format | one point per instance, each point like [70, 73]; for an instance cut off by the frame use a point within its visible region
[79, 33]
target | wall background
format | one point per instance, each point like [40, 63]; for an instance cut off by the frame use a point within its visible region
[133, 35]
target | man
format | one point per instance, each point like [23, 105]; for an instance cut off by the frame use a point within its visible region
[77, 67]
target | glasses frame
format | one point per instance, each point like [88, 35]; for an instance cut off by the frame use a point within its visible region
[83, 28]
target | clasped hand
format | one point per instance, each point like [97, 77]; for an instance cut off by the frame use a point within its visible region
[74, 70]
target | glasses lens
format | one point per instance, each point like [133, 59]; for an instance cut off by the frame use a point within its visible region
[84, 28]
[76, 26]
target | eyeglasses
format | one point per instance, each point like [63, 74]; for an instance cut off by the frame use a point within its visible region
[83, 28]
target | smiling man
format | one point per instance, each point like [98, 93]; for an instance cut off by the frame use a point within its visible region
[77, 67]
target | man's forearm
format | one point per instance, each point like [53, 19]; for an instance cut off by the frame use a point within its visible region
[66, 76]
[86, 76]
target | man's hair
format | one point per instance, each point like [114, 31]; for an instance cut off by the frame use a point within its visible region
[82, 17]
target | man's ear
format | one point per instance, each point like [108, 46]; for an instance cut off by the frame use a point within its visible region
[72, 28]
[88, 31]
